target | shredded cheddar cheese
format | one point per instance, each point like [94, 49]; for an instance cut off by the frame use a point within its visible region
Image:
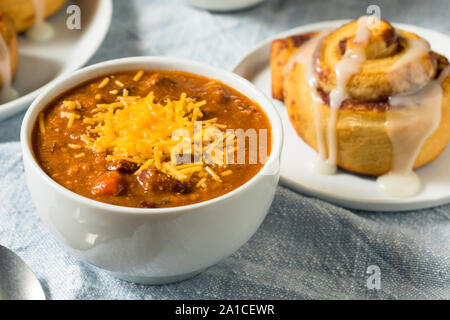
[226, 173]
[201, 183]
[142, 131]
[71, 120]
[41, 123]
[138, 75]
[74, 146]
[213, 174]
[103, 83]
[70, 115]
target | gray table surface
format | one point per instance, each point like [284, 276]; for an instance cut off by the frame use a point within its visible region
[306, 248]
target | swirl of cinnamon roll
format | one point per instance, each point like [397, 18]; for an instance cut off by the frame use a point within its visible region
[384, 72]
[370, 98]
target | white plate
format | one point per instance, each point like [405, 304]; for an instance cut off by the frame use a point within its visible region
[346, 189]
[43, 62]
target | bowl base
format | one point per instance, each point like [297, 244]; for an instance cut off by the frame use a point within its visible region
[157, 280]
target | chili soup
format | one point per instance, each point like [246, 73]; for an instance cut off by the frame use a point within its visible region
[131, 138]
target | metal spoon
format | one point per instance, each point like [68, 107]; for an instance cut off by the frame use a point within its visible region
[17, 281]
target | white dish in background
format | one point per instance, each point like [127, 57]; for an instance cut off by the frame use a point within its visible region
[344, 188]
[42, 62]
[223, 5]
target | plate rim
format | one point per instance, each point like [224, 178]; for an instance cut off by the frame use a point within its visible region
[375, 205]
[15, 106]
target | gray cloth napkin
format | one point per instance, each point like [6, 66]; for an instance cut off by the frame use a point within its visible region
[306, 248]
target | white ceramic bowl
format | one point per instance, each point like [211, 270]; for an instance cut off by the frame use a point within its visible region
[152, 246]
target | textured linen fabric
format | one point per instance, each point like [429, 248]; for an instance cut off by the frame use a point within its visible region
[306, 248]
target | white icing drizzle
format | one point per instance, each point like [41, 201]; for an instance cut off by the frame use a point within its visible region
[416, 48]
[349, 65]
[7, 93]
[321, 164]
[41, 30]
[413, 117]
[305, 56]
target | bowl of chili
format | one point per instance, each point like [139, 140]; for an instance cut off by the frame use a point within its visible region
[128, 163]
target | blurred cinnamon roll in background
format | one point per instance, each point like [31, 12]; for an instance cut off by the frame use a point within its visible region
[30, 15]
[369, 98]
[8, 57]
[17, 16]
[25, 13]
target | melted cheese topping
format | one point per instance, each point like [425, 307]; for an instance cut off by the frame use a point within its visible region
[162, 136]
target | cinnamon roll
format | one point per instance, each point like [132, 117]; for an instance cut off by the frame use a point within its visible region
[8, 57]
[369, 98]
[28, 13]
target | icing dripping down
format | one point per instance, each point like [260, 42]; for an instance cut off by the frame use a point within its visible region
[41, 30]
[7, 92]
[349, 65]
[305, 57]
[321, 164]
[413, 117]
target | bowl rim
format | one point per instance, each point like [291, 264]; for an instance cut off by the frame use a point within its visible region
[178, 64]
